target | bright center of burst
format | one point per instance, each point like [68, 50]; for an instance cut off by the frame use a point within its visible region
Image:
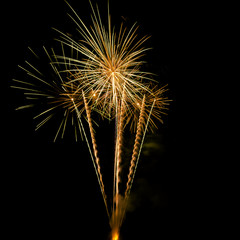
[112, 72]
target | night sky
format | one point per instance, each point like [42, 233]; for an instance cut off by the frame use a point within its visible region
[50, 189]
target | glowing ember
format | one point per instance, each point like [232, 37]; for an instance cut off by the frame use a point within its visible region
[115, 237]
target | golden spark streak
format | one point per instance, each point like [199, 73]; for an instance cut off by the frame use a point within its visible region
[94, 143]
[136, 147]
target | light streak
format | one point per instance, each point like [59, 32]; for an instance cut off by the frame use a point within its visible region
[137, 144]
[94, 144]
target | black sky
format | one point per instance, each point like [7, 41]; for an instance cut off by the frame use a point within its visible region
[50, 189]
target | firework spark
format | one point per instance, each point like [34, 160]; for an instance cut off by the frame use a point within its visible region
[102, 72]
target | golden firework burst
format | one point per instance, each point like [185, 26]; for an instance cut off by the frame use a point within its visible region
[110, 65]
[101, 71]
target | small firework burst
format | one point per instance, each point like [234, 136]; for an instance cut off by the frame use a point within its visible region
[49, 91]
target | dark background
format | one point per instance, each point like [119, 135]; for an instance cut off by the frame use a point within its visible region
[50, 189]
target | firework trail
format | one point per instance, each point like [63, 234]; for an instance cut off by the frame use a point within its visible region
[137, 144]
[117, 199]
[94, 144]
[119, 142]
[99, 72]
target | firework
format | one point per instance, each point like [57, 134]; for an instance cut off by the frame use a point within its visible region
[113, 64]
[47, 91]
[101, 73]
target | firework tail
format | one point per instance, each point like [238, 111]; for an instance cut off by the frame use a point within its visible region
[140, 149]
[95, 151]
[89, 148]
[116, 214]
[136, 147]
[120, 143]
[139, 140]
[140, 136]
[114, 172]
